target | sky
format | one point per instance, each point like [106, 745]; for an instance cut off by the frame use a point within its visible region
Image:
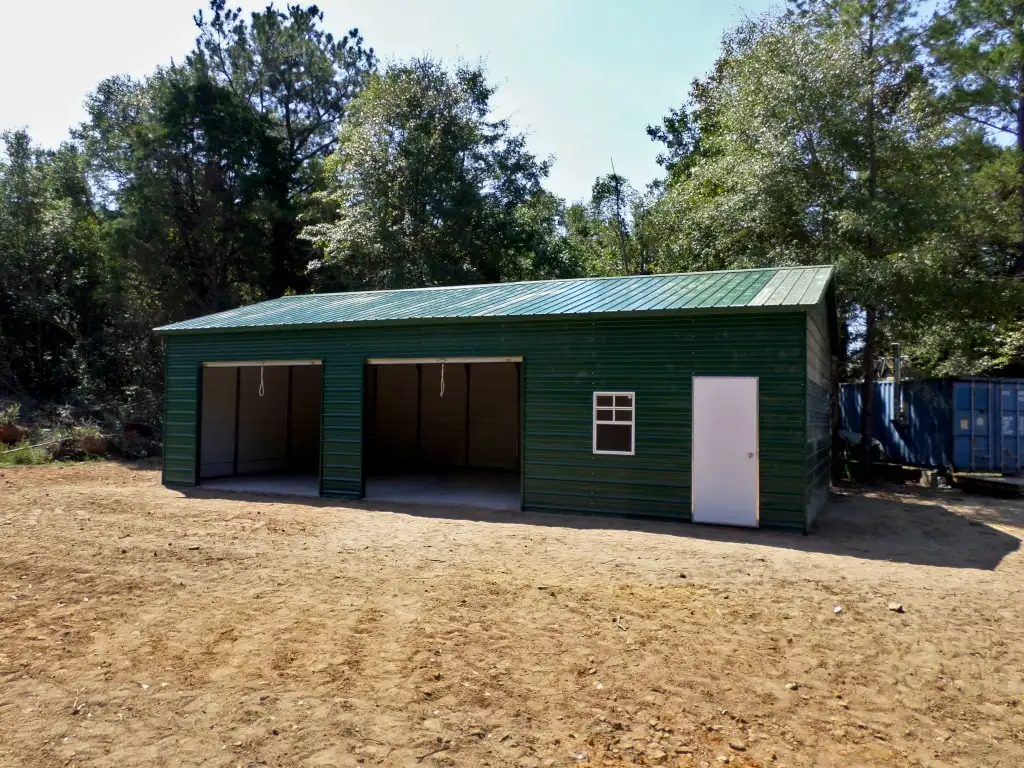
[582, 78]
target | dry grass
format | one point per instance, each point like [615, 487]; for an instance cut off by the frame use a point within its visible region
[139, 626]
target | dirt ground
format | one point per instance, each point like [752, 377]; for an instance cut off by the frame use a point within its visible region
[141, 626]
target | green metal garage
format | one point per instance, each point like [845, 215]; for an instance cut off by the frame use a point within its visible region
[700, 396]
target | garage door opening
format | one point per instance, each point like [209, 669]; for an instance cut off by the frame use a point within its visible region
[444, 431]
[260, 427]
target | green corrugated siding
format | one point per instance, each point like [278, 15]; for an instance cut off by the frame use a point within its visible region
[819, 434]
[565, 361]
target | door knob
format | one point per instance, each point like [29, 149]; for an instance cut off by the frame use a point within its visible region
[750, 455]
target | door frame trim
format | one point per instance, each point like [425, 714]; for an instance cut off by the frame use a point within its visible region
[757, 450]
[520, 367]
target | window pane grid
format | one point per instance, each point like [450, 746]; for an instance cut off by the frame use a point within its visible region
[614, 423]
[614, 416]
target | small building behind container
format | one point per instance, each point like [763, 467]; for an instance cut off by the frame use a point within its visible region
[969, 424]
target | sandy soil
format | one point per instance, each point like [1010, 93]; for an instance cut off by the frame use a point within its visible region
[140, 626]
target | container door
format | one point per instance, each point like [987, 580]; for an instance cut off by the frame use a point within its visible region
[1011, 426]
[972, 434]
[724, 485]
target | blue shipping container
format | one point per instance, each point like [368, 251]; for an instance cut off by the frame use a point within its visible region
[988, 425]
[971, 425]
[922, 437]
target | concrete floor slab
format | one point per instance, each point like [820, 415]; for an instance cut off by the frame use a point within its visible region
[273, 484]
[499, 490]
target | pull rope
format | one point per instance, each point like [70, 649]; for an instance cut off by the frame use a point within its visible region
[442, 379]
[262, 389]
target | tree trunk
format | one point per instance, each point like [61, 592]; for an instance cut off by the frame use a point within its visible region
[621, 228]
[839, 361]
[287, 252]
[282, 238]
[870, 314]
[1018, 267]
[867, 412]
[870, 132]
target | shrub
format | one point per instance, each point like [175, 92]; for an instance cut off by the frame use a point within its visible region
[23, 453]
[83, 441]
[10, 432]
[9, 414]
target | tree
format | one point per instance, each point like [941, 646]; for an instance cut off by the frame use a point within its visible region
[546, 252]
[616, 233]
[207, 166]
[680, 134]
[177, 162]
[426, 187]
[184, 160]
[49, 267]
[826, 147]
[978, 49]
[300, 80]
[886, 72]
[180, 195]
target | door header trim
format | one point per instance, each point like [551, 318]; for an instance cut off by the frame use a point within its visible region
[260, 363]
[428, 360]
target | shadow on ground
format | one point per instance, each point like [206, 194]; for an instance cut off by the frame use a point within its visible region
[905, 524]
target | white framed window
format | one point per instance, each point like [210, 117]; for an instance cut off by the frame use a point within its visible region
[614, 423]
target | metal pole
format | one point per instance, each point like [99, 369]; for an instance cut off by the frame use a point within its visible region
[520, 425]
[467, 414]
[419, 410]
[238, 401]
[971, 422]
[897, 382]
[199, 429]
[288, 422]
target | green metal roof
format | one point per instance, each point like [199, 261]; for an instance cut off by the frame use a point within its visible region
[690, 291]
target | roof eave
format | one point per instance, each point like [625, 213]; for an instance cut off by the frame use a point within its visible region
[586, 316]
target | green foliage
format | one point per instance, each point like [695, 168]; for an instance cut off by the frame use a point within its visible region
[617, 232]
[288, 70]
[274, 158]
[23, 454]
[50, 266]
[977, 47]
[546, 251]
[77, 443]
[826, 146]
[190, 214]
[680, 134]
[9, 414]
[179, 195]
[427, 188]
[299, 81]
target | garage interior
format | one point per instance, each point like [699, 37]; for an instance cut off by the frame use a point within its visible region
[444, 431]
[260, 427]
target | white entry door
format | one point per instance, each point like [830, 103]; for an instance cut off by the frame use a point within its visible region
[724, 486]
